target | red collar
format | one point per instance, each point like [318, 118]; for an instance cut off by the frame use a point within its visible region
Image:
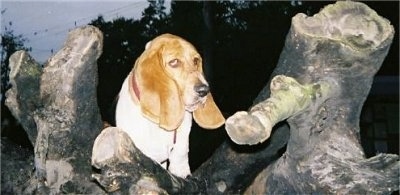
[135, 86]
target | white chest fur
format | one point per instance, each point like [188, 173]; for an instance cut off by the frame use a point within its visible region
[153, 141]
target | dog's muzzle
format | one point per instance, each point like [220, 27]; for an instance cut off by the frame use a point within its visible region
[200, 98]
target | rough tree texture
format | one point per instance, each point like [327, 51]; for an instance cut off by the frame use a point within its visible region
[346, 43]
[24, 95]
[57, 106]
[288, 98]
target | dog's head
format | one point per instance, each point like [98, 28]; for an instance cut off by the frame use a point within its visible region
[170, 76]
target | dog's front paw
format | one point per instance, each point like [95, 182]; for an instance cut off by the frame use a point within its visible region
[181, 170]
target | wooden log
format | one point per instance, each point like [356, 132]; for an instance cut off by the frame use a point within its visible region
[347, 43]
[60, 115]
[122, 168]
[23, 97]
[288, 98]
[323, 152]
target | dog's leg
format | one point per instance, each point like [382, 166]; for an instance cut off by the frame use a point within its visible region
[179, 156]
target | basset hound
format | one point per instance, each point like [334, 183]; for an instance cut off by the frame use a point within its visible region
[158, 99]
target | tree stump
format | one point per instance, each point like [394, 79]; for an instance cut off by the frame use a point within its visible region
[57, 106]
[345, 43]
[326, 70]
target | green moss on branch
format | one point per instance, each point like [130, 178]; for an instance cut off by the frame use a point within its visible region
[288, 98]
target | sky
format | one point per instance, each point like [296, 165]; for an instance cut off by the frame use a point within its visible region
[46, 23]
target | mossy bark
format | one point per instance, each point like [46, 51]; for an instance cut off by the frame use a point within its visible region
[347, 43]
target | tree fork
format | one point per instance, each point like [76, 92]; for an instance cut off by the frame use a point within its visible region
[57, 106]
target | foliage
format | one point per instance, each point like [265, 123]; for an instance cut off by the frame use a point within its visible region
[9, 44]
[235, 54]
[154, 19]
[245, 44]
[121, 46]
[124, 40]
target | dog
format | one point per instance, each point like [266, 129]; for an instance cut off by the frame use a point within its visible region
[164, 91]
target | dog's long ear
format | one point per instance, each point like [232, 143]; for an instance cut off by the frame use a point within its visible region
[160, 101]
[208, 115]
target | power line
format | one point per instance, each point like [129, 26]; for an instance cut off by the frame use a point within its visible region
[84, 18]
[79, 22]
[57, 32]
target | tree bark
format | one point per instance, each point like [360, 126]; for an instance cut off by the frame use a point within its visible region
[344, 44]
[347, 43]
[57, 106]
[24, 95]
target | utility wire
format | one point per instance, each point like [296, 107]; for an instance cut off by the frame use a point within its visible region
[75, 23]
[60, 29]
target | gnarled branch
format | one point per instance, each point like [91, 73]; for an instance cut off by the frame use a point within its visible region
[288, 98]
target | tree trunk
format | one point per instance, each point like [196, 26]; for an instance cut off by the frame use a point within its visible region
[345, 43]
[323, 57]
[58, 109]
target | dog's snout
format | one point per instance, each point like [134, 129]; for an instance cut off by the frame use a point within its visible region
[202, 89]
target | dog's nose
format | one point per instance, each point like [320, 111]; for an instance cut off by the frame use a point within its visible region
[201, 89]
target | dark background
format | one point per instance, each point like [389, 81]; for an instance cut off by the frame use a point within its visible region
[240, 44]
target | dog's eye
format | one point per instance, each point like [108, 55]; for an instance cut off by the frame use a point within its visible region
[174, 63]
[196, 61]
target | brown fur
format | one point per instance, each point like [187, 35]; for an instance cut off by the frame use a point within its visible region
[162, 88]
